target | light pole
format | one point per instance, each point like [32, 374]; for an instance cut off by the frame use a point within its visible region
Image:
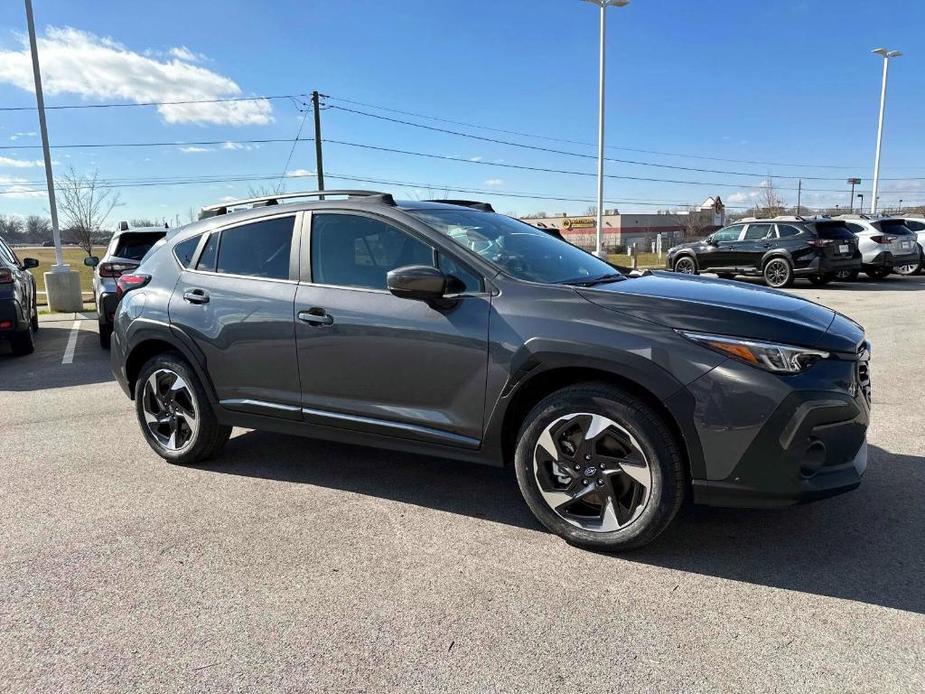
[886, 66]
[603, 4]
[861, 206]
[900, 206]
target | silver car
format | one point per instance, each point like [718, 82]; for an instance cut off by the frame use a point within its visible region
[123, 254]
[917, 226]
[885, 244]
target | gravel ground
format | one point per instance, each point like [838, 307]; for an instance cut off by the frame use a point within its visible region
[295, 565]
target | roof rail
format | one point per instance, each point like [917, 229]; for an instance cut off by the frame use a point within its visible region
[790, 218]
[222, 208]
[474, 204]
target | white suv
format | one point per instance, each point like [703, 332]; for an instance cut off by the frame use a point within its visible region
[885, 244]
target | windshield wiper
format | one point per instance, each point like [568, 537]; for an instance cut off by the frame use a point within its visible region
[591, 281]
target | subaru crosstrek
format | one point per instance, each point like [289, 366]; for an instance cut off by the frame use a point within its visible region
[453, 331]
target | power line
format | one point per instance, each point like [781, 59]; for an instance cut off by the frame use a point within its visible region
[199, 143]
[592, 144]
[64, 107]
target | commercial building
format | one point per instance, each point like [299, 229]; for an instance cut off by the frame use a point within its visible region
[621, 231]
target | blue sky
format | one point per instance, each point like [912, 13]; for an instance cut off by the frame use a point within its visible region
[791, 85]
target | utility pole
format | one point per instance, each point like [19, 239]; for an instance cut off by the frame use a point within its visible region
[853, 182]
[62, 284]
[799, 195]
[319, 161]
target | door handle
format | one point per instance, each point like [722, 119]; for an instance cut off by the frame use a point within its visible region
[316, 316]
[767, 245]
[196, 296]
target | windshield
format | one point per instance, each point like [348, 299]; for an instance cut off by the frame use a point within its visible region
[518, 249]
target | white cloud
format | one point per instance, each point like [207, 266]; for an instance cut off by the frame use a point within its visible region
[297, 173]
[238, 145]
[17, 136]
[494, 182]
[13, 189]
[475, 158]
[194, 150]
[21, 163]
[740, 197]
[99, 68]
[186, 55]
[227, 198]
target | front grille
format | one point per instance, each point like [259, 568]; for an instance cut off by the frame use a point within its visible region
[863, 369]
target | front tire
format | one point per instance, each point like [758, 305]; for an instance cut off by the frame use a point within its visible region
[174, 412]
[686, 265]
[880, 273]
[599, 468]
[778, 273]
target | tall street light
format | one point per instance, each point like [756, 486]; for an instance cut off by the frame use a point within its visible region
[886, 65]
[603, 4]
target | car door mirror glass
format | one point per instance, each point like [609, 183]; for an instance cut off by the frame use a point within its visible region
[29, 263]
[418, 282]
[91, 261]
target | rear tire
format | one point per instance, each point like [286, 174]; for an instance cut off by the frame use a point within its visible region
[174, 412]
[23, 342]
[105, 335]
[778, 273]
[614, 478]
[821, 280]
[909, 270]
[846, 275]
[879, 273]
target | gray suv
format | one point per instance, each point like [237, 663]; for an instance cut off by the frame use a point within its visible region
[449, 330]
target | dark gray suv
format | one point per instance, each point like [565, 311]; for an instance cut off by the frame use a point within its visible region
[449, 330]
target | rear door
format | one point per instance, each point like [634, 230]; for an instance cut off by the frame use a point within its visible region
[374, 362]
[755, 242]
[235, 302]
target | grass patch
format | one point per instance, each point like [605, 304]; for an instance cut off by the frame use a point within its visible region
[646, 260]
[46, 257]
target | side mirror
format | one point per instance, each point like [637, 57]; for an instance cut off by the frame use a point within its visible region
[710, 241]
[91, 261]
[418, 282]
[29, 263]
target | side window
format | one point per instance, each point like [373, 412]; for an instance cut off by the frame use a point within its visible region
[6, 253]
[855, 228]
[756, 232]
[728, 234]
[353, 251]
[785, 230]
[186, 249]
[467, 282]
[209, 254]
[259, 249]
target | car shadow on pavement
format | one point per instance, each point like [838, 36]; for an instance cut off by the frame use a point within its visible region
[43, 368]
[867, 545]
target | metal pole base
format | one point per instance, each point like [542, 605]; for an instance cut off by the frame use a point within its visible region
[63, 287]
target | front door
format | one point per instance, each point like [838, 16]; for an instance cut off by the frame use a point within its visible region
[719, 253]
[236, 305]
[374, 362]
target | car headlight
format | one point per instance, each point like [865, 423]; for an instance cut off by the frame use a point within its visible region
[770, 356]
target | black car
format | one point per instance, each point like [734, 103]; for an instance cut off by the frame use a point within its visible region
[19, 316]
[778, 249]
[449, 330]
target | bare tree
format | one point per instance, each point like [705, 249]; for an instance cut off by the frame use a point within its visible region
[693, 224]
[771, 203]
[85, 206]
[266, 190]
[38, 229]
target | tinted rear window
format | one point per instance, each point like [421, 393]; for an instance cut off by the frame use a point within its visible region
[833, 230]
[893, 226]
[134, 246]
[914, 225]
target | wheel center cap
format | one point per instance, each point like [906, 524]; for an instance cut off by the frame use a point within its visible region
[590, 471]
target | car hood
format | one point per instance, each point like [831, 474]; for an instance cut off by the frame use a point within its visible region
[686, 302]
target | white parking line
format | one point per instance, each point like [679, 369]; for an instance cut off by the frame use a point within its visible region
[71, 343]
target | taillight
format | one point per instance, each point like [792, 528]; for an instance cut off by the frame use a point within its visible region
[126, 283]
[115, 269]
[6, 276]
[819, 243]
[882, 239]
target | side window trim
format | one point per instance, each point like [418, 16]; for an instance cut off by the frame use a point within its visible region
[305, 259]
[293, 251]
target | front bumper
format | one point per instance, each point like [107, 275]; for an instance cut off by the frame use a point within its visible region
[775, 441]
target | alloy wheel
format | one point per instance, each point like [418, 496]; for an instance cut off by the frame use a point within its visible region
[685, 266]
[777, 273]
[907, 269]
[170, 410]
[592, 472]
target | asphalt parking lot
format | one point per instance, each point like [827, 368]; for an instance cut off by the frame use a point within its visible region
[296, 565]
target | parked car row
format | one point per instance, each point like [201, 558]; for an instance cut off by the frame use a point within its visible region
[19, 317]
[443, 328]
[821, 249]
